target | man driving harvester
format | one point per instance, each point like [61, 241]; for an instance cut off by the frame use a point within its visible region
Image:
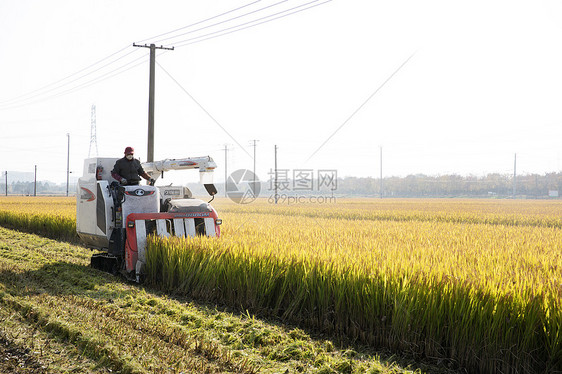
[128, 170]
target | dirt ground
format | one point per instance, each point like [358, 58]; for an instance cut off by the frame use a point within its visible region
[14, 359]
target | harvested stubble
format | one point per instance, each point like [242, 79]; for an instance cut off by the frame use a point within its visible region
[485, 296]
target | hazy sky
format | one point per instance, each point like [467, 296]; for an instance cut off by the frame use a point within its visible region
[442, 86]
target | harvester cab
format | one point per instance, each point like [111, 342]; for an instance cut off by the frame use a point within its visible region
[116, 220]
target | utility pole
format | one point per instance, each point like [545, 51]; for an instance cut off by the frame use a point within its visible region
[276, 196]
[225, 168]
[67, 162]
[6, 182]
[35, 182]
[515, 176]
[381, 169]
[255, 142]
[153, 48]
[93, 140]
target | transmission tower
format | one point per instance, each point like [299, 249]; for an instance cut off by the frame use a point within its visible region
[93, 139]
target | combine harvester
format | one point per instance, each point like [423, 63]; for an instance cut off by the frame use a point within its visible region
[117, 219]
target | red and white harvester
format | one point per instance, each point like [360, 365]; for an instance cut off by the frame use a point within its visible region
[116, 219]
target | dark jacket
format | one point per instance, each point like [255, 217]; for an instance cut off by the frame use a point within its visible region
[130, 170]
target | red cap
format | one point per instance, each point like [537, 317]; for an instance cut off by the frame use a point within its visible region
[129, 151]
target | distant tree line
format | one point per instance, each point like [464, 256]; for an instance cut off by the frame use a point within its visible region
[420, 185]
[43, 188]
[533, 186]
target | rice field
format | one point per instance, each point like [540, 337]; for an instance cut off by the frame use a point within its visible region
[475, 283]
[58, 315]
[54, 217]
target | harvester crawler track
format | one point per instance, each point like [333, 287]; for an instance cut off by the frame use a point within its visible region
[105, 262]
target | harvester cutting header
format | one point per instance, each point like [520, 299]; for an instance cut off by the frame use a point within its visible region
[115, 215]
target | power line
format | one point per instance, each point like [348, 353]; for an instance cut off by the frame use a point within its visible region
[249, 23]
[361, 106]
[70, 82]
[107, 75]
[381, 172]
[199, 22]
[93, 137]
[49, 87]
[255, 141]
[67, 163]
[69, 76]
[22, 102]
[225, 21]
[151, 91]
[83, 76]
[225, 169]
[24, 99]
[29, 136]
[89, 83]
[515, 176]
[202, 108]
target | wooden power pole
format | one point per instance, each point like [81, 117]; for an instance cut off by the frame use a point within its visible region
[153, 48]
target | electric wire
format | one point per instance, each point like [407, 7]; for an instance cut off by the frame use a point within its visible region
[190, 41]
[201, 106]
[67, 77]
[221, 22]
[106, 75]
[199, 22]
[43, 90]
[24, 99]
[91, 82]
[70, 82]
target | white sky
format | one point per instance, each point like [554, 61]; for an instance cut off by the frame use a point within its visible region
[484, 82]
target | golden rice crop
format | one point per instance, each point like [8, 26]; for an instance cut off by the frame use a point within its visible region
[54, 217]
[476, 282]
[503, 212]
[481, 288]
